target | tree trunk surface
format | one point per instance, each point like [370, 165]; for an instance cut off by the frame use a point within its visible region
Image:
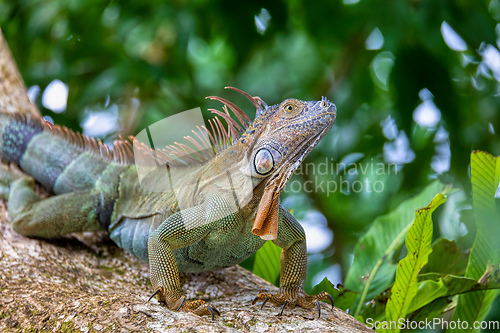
[13, 97]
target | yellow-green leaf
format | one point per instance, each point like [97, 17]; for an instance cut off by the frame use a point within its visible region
[370, 272]
[418, 245]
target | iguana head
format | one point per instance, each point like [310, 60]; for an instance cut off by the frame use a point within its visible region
[279, 139]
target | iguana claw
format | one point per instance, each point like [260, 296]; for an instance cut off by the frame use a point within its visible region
[283, 307]
[291, 299]
[212, 311]
[198, 307]
[157, 291]
[329, 298]
[263, 303]
[183, 299]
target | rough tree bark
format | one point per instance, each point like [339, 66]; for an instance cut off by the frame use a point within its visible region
[13, 97]
[84, 282]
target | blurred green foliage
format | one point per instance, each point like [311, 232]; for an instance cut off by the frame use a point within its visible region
[378, 61]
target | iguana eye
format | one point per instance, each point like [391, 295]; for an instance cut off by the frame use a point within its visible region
[263, 162]
[289, 107]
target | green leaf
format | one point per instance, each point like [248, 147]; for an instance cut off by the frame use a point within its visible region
[431, 310]
[342, 298]
[385, 234]
[485, 177]
[267, 263]
[418, 245]
[428, 291]
[446, 258]
[432, 286]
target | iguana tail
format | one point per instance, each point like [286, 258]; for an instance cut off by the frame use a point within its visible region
[61, 160]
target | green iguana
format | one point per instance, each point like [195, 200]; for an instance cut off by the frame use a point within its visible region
[202, 222]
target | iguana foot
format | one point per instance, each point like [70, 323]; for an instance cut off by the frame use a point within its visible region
[198, 307]
[292, 298]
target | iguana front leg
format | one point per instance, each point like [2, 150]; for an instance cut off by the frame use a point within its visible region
[182, 229]
[291, 238]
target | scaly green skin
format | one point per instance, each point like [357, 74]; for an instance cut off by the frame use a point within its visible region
[95, 193]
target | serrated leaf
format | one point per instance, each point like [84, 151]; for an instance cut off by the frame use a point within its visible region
[384, 235]
[267, 263]
[418, 245]
[342, 298]
[485, 177]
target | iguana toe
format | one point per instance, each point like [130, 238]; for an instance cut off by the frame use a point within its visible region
[198, 307]
[205, 309]
[290, 299]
